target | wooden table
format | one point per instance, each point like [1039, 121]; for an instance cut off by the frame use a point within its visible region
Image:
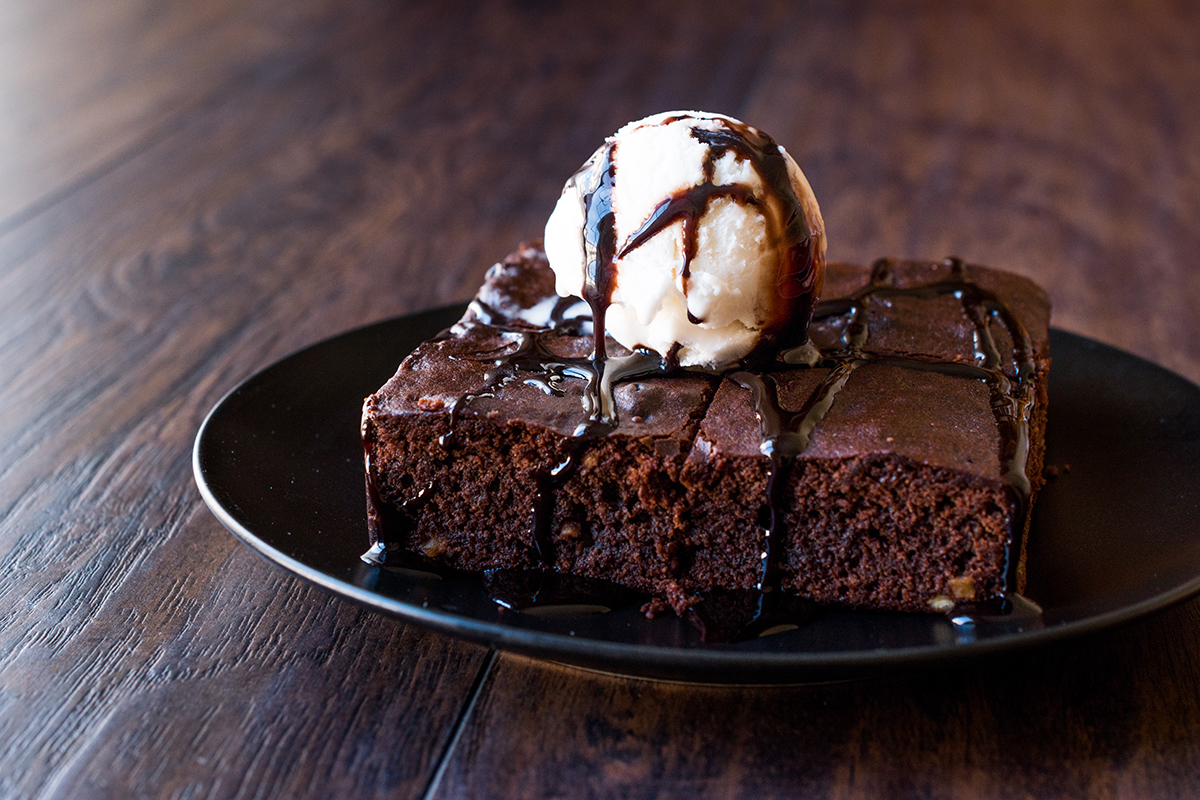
[190, 191]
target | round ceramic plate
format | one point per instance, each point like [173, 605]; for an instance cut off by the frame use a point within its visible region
[279, 461]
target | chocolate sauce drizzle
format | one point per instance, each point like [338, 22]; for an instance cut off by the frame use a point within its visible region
[1012, 397]
[557, 320]
[600, 247]
[526, 354]
[797, 272]
[689, 206]
[786, 435]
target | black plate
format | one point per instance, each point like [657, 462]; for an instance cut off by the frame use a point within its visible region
[279, 462]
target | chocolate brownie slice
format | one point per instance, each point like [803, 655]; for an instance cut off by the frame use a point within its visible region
[888, 465]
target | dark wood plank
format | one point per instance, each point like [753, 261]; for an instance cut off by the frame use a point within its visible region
[1056, 141]
[227, 682]
[87, 83]
[1096, 718]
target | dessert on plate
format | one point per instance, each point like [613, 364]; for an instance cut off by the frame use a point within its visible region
[676, 394]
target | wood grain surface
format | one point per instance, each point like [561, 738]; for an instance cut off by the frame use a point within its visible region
[190, 191]
[1073, 720]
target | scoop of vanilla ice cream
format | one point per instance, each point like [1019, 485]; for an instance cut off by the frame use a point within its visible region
[730, 287]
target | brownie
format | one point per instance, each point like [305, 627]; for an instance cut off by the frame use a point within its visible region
[905, 453]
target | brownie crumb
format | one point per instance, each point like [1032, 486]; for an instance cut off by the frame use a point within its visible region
[655, 607]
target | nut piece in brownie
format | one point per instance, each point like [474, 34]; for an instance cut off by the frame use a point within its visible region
[890, 467]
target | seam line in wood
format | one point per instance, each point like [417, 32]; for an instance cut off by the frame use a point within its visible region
[464, 714]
